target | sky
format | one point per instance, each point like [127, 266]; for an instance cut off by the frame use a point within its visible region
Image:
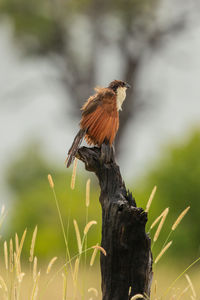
[31, 105]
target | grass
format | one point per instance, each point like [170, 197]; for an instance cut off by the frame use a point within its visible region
[75, 276]
[33, 281]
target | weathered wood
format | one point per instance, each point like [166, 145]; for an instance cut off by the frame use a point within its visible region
[129, 260]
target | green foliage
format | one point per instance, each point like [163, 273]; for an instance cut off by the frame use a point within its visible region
[177, 176]
[34, 204]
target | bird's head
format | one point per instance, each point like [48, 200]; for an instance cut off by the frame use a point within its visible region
[119, 87]
[118, 84]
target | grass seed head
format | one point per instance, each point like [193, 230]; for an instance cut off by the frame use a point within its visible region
[17, 265]
[34, 268]
[180, 217]
[162, 252]
[50, 179]
[138, 296]
[74, 174]
[158, 218]
[101, 249]
[129, 290]
[93, 290]
[6, 255]
[87, 227]
[52, 261]
[96, 248]
[20, 277]
[11, 255]
[78, 237]
[151, 198]
[16, 242]
[33, 244]
[157, 233]
[87, 198]
[93, 257]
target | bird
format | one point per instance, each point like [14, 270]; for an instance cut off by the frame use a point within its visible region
[100, 117]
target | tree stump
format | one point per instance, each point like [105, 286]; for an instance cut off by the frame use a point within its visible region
[126, 270]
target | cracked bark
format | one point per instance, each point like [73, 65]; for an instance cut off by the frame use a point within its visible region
[129, 259]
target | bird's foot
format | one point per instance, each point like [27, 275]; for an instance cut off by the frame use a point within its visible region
[107, 153]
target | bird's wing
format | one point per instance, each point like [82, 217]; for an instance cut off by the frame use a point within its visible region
[104, 95]
[100, 117]
[90, 105]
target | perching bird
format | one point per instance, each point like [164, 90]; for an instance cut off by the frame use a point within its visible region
[100, 117]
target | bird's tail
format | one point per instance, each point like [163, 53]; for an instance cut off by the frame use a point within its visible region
[74, 148]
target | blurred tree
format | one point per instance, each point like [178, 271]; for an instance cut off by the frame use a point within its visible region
[177, 177]
[35, 205]
[74, 34]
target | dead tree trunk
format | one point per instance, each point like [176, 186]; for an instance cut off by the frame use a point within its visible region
[128, 262]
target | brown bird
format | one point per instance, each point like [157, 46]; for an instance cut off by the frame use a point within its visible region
[100, 117]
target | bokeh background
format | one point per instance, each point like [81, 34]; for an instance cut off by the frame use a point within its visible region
[52, 54]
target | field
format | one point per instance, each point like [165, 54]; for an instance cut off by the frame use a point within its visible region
[77, 276]
[88, 285]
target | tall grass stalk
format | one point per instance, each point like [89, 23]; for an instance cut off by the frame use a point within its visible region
[61, 269]
[176, 223]
[191, 285]
[34, 268]
[13, 265]
[35, 287]
[162, 252]
[158, 219]
[87, 203]
[51, 183]
[33, 244]
[78, 236]
[6, 255]
[160, 226]
[173, 283]
[73, 180]
[52, 261]
[64, 295]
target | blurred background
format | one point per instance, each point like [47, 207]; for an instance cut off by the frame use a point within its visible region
[52, 54]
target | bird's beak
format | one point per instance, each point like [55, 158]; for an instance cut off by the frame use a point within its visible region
[127, 85]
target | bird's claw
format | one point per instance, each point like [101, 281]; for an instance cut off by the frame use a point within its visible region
[106, 153]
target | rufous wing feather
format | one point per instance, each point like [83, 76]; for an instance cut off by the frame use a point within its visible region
[101, 126]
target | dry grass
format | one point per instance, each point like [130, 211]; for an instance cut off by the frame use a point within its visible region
[164, 275]
[180, 217]
[75, 280]
[32, 281]
[151, 198]
[160, 226]
[74, 174]
[162, 252]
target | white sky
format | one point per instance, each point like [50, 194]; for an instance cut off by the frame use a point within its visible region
[171, 81]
